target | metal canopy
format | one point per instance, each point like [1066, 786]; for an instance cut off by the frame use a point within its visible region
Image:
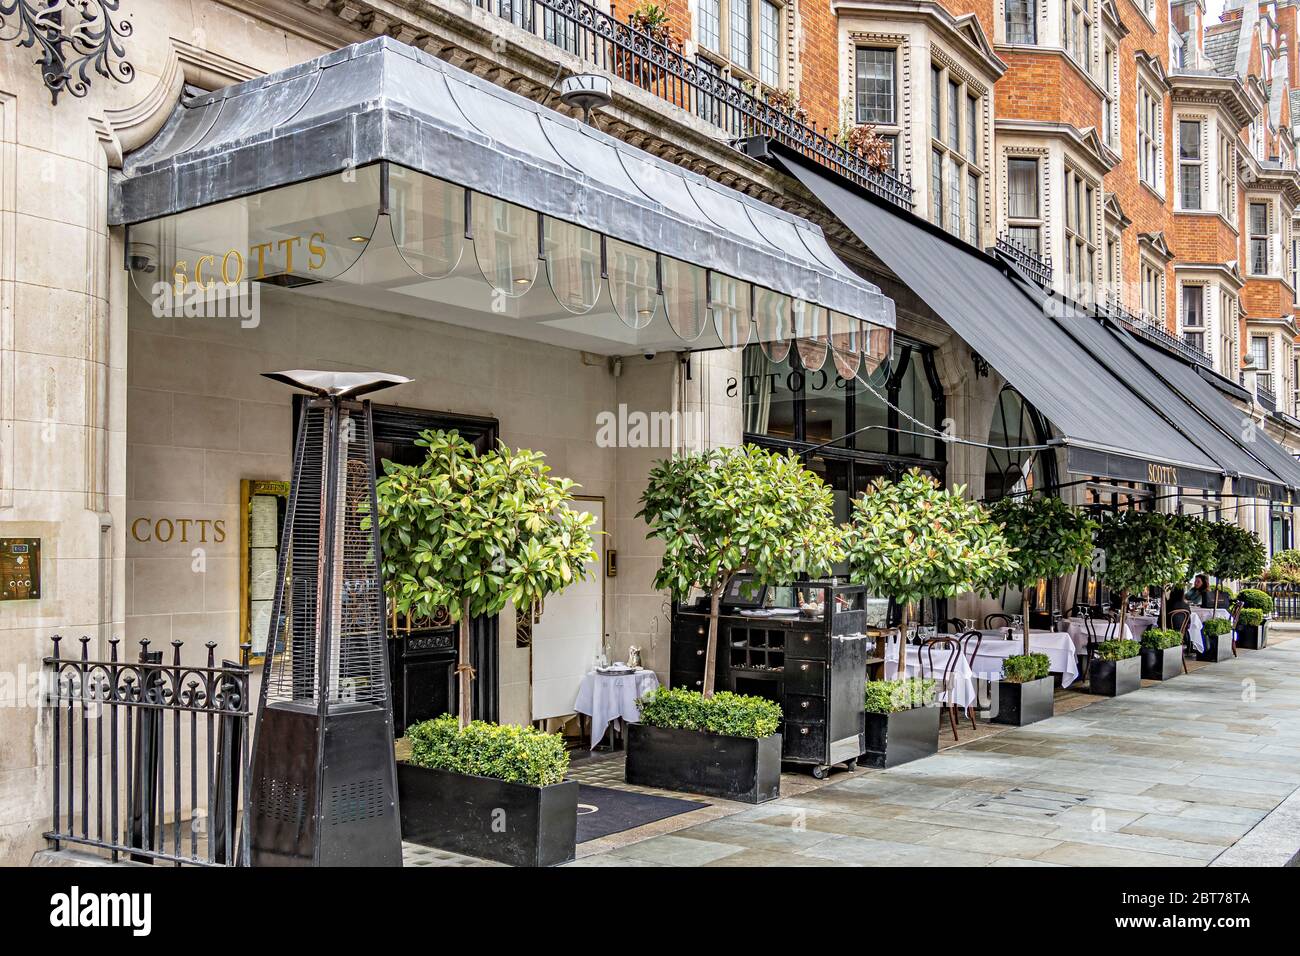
[1107, 428]
[382, 101]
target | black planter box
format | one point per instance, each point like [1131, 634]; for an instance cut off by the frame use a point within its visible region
[1252, 636]
[1113, 678]
[745, 769]
[1218, 647]
[893, 739]
[481, 816]
[1023, 703]
[1163, 664]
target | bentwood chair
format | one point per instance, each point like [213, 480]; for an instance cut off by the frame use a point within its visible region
[1234, 609]
[941, 674]
[991, 621]
[1181, 621]
[970, 648]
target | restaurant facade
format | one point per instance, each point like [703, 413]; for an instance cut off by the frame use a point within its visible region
[331, 186]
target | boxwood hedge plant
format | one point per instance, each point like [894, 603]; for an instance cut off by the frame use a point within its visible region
[904, 693]
[724, 713]
[1159, 638]
[1022, 668]
[1251, 617]
[729, 511]
[1216, 627]
[1049, 537]
[1117, 650]
[471, 531]
[1255, 598]
[503, 751]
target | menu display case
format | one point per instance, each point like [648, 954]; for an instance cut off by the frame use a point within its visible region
[803, 646]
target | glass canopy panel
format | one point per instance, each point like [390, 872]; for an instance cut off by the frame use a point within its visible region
[845, 334]
[811, 331]
[686, 297]
[297, 235]
[772, 318]
[572, 265]
[729, 301]
[428, 222]
[505, 244]
[633, 282]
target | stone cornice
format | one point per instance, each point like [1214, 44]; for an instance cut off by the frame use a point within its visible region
[962, 31]
[1082, 142]
[1225, 93]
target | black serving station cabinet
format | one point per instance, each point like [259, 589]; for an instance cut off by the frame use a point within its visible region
[802, 645]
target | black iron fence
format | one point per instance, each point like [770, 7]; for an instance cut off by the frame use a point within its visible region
[1286, 598]
[1036, 267]
[150, 758]
[696, 86]
[1151, 329]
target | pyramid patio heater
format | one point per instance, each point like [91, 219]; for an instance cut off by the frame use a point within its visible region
[324, 780]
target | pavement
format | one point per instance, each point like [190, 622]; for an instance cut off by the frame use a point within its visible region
[1201, 770]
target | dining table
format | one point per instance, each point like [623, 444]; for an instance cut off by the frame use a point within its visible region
[961, 691]
[607, 697]
[995, 648]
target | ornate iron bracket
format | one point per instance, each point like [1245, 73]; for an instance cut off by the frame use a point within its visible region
[72, 37]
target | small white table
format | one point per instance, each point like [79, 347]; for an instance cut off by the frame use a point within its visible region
[609, 697]
[995, 648]
[962, 692]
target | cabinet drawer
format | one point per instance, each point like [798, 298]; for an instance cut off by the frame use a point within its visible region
[804, 677]
[688, 656]
[690, 680]
[806, 645]
[692, 630]
[806, 741]
[799, 707]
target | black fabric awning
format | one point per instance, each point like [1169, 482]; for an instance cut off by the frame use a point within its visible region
[1124, 353]
[1107, 427]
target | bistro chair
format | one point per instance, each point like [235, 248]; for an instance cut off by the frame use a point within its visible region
[970, 648]
[1234, 609]
[1181, 620]
[990, 621]
[925, 655]
[955, 625]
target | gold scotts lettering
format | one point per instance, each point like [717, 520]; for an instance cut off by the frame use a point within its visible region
[1162, 474]
[234, 265]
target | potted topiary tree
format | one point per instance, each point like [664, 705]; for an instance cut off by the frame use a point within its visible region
[1238, 556]
[1140, 550]
[724, 746]
[1162, 653]
[913, 539]
[472, 532]
[902, 724]
[1116, 668]
[1049, 539]
[720, 513]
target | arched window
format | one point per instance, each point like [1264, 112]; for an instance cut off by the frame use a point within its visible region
[1010, 467]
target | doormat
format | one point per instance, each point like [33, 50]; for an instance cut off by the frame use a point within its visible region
[603, 810]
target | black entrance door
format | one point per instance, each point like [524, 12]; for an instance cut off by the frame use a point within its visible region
[422, 661]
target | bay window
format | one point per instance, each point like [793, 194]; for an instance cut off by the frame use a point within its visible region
[1190, 164]
[954, 136]
[747, 34]
[1258, 233]
[1080, 237]
[1192, 316]
[1024, 211]
[1150, 139]
[1022, 21]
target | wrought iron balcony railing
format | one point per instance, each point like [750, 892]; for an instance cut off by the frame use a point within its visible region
[1036, 267]
[633, 55]
[1147, 327]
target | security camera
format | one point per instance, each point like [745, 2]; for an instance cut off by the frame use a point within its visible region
[648, 355]
[141, 257]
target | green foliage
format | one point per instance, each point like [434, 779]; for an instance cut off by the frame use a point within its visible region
[1216, 627]
[1021, 668]
[1143, 549]
[1158, 638]
[914, 539]
[504, 751]
[1199, 541]
[1285, 567]
[732, 715]
[1117, 650]
[730, 510]
[470, 532]
[1251, 617]
[1238, 553]
[1255, 598]
[1049, 537]
[892, 696]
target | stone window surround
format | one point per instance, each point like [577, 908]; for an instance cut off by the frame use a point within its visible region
[950, 69]
[903, 88]
[1044, 222]
[1113, 136]
[1155, 311]
[1206, 160]
[1271, 233]
[1095, 248]
[1206, 327]
[1152, 91]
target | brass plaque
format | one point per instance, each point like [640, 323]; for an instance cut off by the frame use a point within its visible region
[20, 569]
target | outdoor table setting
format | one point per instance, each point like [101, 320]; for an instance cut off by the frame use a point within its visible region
[1077, 628]
[962, 691]
[1059, 648]
[609, 696]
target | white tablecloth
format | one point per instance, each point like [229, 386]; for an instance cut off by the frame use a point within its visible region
[606, 698]
[994, 649]
[1078, 631]
[962, 692]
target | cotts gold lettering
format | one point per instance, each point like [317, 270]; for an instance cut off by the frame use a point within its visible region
[231, 264]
